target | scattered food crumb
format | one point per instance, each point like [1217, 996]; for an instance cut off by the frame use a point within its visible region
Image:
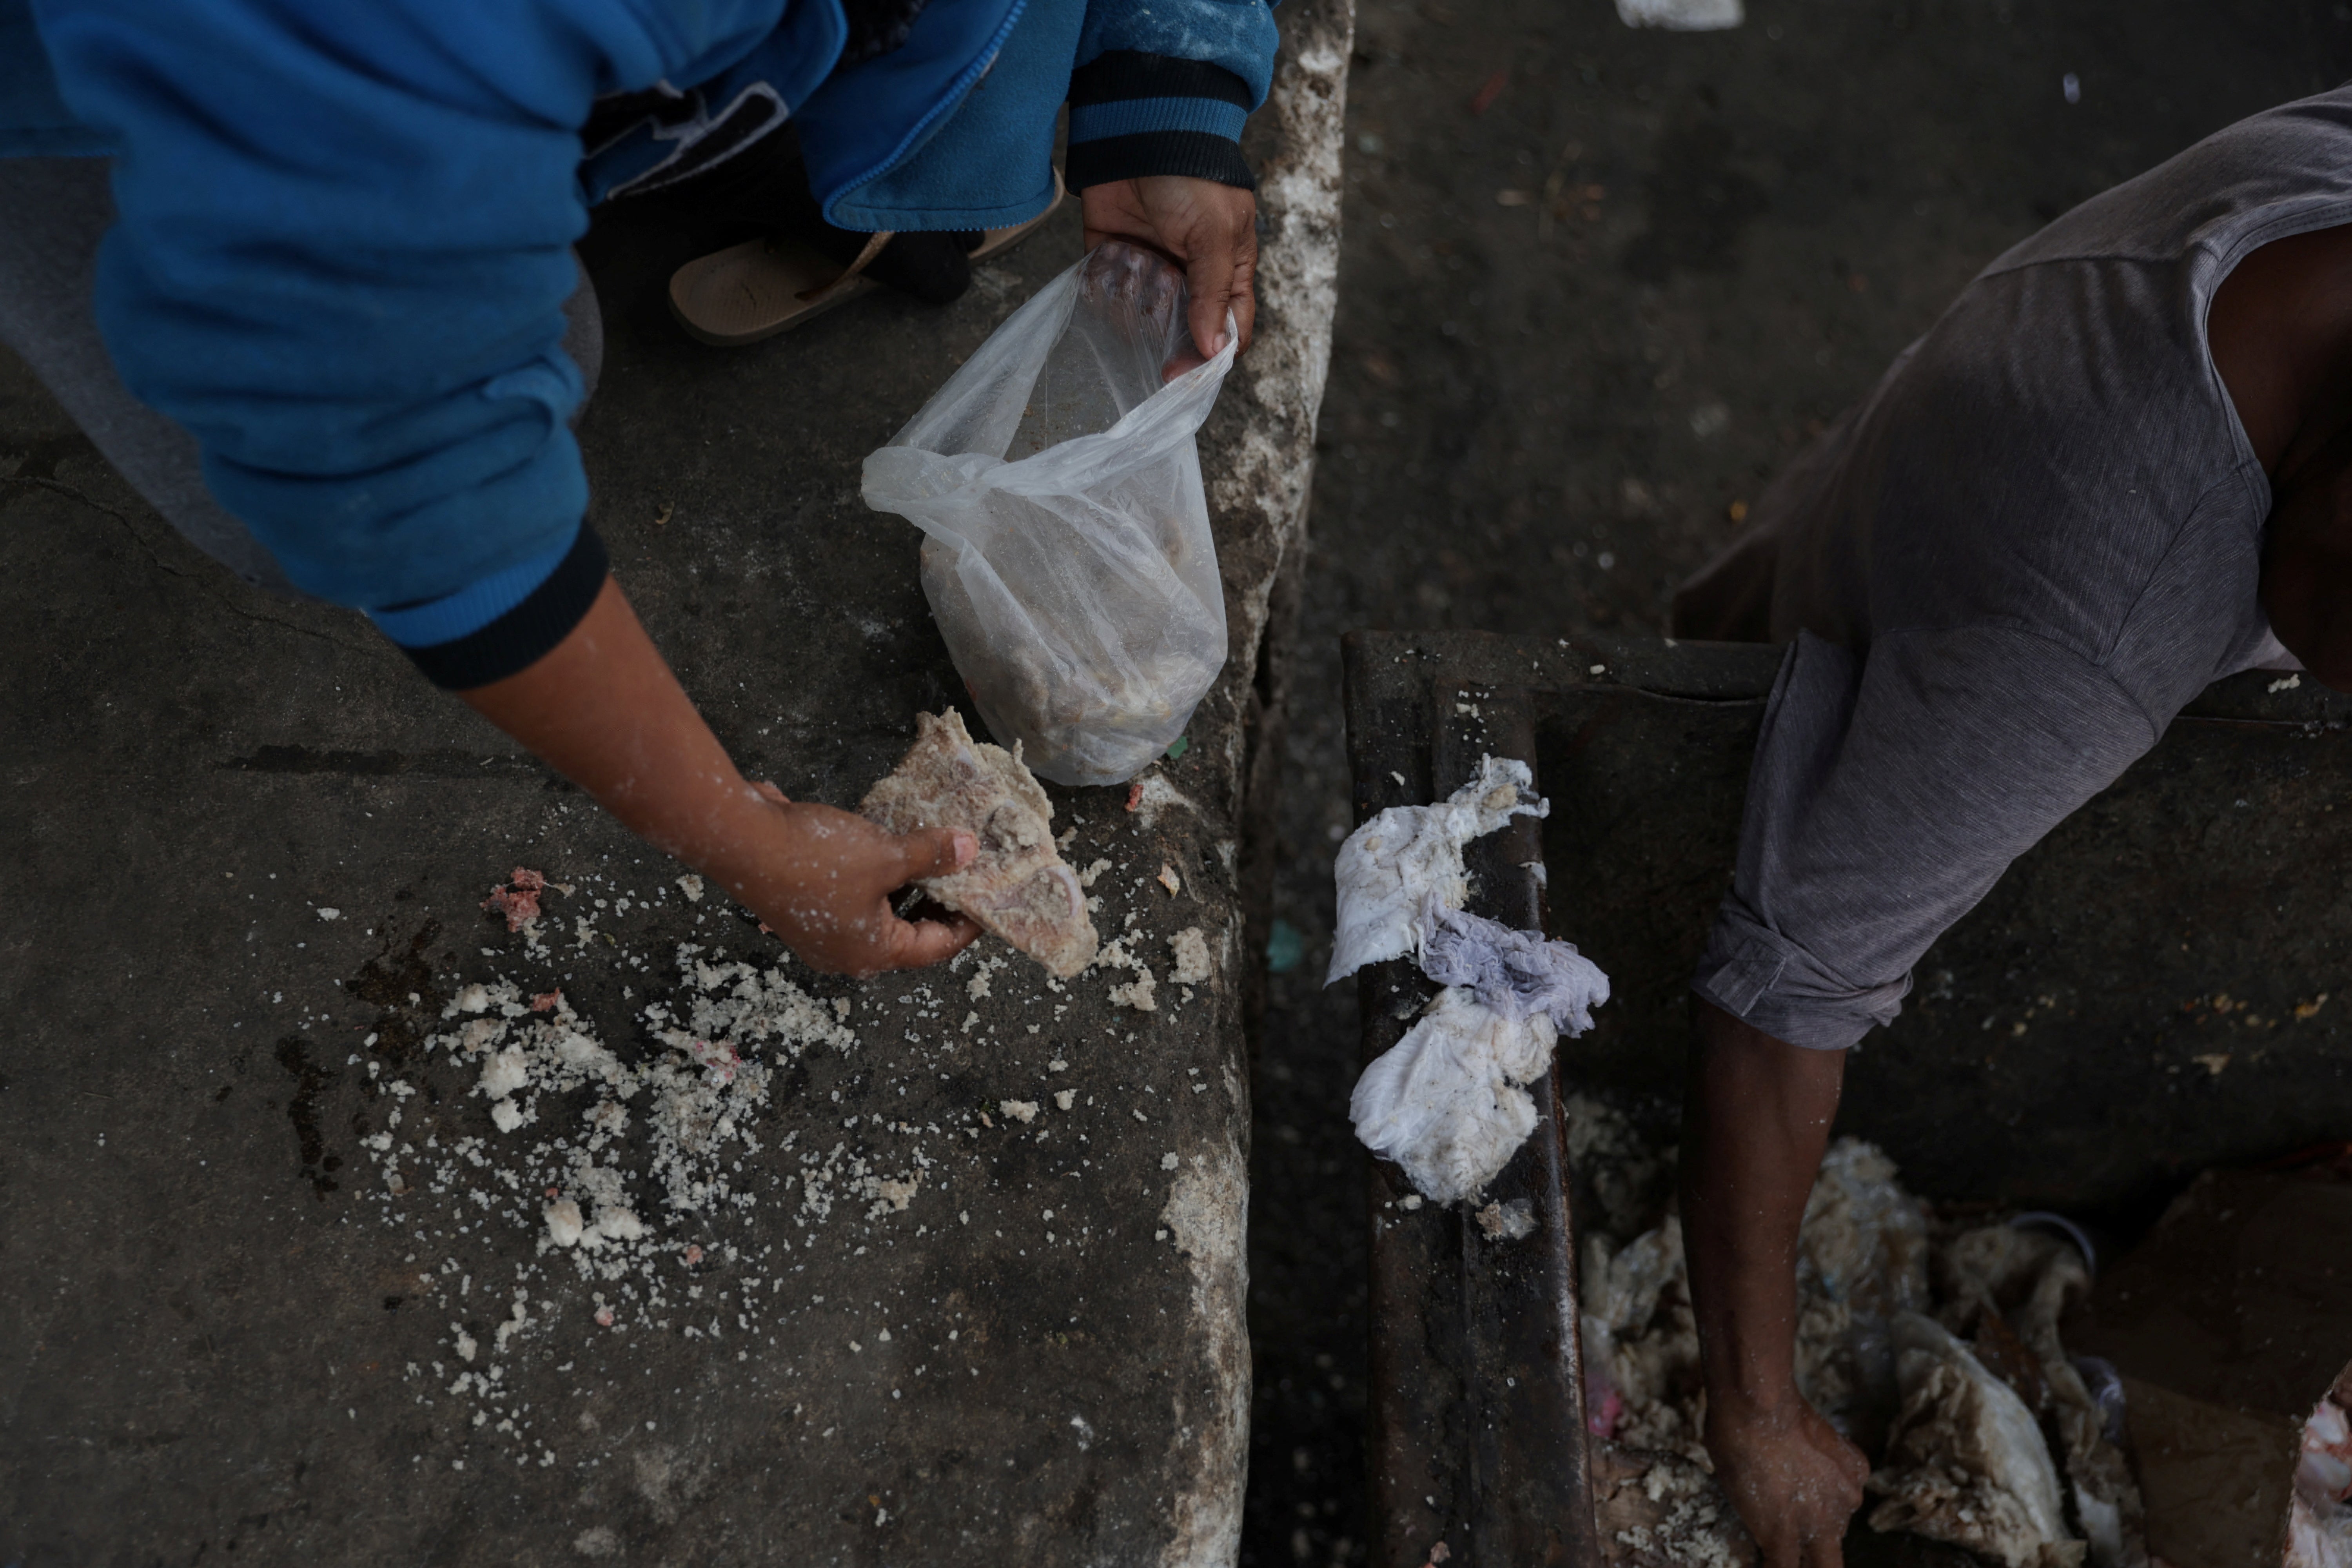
[1021, 1111]
[1510, 1221]
[2212, 1061]
[1191, 950]
[1137, 992]
[1168, 879]
[1168, 1160]
[1065, 1098]
[329, 914]
[1151, 795]
[504, 1073]
[564, 1225]
[691, 886]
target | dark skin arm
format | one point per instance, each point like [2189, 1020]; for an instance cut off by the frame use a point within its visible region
[603, 709]
[2279, 330]
[1755, 1124]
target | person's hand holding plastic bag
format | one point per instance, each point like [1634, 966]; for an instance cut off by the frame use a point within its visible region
[1067, 551]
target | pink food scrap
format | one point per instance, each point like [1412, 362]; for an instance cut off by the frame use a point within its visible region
[518, 901]
[1135, 794]
[547, 1001]
[719, 1057]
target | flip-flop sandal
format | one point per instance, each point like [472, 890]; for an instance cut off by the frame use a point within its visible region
[758, 288]
[995, 241]
[761, 287]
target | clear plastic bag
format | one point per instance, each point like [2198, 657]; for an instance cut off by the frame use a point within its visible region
[1067, 551]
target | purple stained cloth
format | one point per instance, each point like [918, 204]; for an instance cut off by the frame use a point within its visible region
[1515, 973]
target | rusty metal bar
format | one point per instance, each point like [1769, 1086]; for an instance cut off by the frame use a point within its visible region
[1531, 1490]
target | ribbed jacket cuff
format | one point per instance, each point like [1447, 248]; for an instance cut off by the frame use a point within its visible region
[1133, 114]
[523, 635]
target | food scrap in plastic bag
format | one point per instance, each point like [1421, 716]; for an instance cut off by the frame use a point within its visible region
[1067, 551]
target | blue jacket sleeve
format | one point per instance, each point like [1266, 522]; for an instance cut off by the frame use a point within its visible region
[1163, 88]
[340, 258]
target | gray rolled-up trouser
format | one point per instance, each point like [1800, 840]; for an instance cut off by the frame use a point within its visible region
[53, 213]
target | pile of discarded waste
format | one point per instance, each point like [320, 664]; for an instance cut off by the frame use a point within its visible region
[2011, 1407]
[1939, 1344]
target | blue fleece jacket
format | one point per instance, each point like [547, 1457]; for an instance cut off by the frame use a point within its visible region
[343, 233]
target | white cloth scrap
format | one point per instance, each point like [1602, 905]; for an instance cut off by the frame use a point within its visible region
[1448, 1102]
[1444, 1102]
[1515, 973]
[1409, 853]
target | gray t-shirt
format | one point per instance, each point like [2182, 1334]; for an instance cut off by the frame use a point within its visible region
[2004, 572]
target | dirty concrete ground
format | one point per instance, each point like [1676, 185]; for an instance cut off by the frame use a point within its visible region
[1577, 325]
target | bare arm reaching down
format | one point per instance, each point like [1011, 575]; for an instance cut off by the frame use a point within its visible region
[1757, 1118]
[605, 710]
